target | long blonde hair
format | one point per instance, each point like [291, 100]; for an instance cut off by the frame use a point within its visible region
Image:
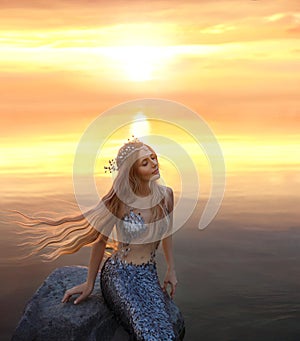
[69, 234]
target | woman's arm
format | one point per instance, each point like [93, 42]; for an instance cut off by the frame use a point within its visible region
[86, 288]
[170, 277]
[168, 251]
[95, 261]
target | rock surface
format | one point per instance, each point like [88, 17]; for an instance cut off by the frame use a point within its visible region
[46, 318]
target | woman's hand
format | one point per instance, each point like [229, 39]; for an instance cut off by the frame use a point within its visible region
[83, 289]
[171, 279]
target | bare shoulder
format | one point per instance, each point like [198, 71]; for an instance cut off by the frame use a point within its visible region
[168, 190]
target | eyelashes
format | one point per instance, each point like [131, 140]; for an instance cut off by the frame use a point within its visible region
[145, 163]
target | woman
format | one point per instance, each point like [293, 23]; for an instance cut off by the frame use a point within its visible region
[141, 211]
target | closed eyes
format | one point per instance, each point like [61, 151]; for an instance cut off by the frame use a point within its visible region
[145, 161]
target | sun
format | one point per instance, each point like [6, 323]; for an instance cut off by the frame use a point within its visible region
[138, 63]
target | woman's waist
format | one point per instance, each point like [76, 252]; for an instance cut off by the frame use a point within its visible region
[136, 254]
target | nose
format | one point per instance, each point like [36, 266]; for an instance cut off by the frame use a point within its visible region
[154, 163]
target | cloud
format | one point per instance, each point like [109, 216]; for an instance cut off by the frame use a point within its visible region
[62, 23]
[294, 30]
[218, 29]
[78, 13]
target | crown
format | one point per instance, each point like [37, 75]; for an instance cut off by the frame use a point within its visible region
[127, 149]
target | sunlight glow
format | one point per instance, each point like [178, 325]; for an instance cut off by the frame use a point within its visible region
[139, 63]
[140, 127]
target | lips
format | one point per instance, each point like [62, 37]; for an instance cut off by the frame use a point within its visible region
[156, 171]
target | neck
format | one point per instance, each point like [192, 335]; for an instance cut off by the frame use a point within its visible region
[144, 189]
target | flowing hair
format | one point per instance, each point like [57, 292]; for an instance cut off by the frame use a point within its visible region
[69, 234]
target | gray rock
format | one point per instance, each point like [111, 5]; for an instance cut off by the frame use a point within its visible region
[46, 318]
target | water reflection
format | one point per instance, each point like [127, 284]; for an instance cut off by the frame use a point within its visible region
[238, 279]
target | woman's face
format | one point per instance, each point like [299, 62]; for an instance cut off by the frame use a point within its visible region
[146, 167]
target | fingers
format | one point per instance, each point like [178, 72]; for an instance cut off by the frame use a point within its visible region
[81, 289]
[66, 297]
[69, 293]
[82, 297]
[173, 291]
[173, 288]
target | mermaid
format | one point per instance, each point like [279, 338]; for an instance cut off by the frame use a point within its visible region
[131, 220]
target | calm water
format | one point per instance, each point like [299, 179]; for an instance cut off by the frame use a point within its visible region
[238, 280]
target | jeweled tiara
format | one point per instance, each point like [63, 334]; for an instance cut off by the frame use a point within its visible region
[129, 147]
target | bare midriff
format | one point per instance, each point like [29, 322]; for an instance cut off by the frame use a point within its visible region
[137, 253]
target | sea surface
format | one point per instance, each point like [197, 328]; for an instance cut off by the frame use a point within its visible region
[238, 279]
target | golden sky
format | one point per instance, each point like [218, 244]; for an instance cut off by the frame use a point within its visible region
[235, 62]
